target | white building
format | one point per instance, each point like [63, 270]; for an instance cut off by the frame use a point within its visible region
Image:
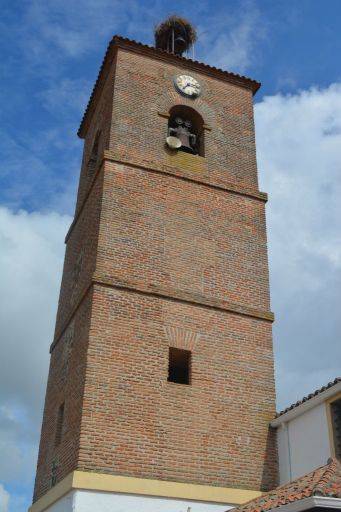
[309, 432]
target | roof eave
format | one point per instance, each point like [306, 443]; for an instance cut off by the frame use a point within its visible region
[97, 88]
[299, 409]
[309, 503]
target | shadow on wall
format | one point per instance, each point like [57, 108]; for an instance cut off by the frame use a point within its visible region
[270, 473]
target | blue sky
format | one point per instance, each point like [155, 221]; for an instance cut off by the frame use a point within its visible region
[52, 50]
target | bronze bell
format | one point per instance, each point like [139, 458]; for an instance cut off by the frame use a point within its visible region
[182, 131]
[180, 45]
[185, 138]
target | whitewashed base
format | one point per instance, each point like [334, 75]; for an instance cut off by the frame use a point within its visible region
[94, 501]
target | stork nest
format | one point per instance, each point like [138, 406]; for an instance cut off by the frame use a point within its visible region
[181, 26]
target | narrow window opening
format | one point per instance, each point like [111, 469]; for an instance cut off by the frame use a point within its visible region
[179, 366]
[54, 471]
[59, 426]
[335, 408]
[92, 163]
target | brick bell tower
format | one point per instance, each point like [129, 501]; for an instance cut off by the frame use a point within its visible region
[161, 388]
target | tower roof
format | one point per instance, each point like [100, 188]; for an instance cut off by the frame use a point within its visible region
[156, 53]
[305, 399]
[324, 481]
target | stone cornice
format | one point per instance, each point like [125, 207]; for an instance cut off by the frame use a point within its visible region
[176, 172]
[179, 173]
[197, 299]
[58, 334]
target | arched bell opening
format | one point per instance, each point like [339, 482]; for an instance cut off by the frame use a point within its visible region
[187, 125]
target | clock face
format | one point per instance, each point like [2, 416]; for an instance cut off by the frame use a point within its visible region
[187, 85]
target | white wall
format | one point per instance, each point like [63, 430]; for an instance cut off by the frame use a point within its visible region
[90, 501]
[64, 504]
[303, 443]
[283, 454]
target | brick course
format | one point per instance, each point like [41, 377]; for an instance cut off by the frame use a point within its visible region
[165, 250]
[136, 423]
[65, 385]
[230, 154]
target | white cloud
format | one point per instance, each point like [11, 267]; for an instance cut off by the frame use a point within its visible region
[72, 28]
[67, 95]
[32, 253]
[4, 499]
[52, 31]
[43, 175]
[230, 41]
[298, 146]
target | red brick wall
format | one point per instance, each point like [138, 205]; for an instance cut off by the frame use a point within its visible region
[101, 122]
[214, 431]
[144, 88]
[176, 245]
[65, 385]
[159, 230]
[80, 257]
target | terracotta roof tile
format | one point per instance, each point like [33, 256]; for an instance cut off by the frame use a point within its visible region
[180, 58]
[311, 395]
[323, 481]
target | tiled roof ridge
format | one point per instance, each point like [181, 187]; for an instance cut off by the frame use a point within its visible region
[117, 38]
[308, 397]
[95, 86]
[322, 487]
[324, 481]
[179, 57]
